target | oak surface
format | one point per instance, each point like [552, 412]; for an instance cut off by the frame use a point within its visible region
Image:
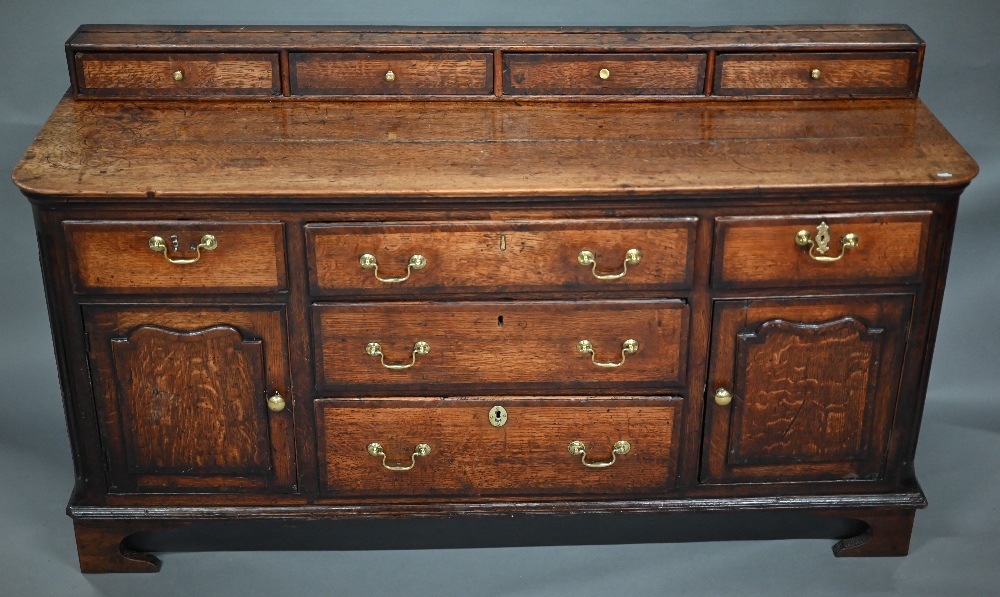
[761, 251]
[167, 368]
[814, 385]
[182, 393]
[628, 75]
[848, 74]
[413, 73]
[499, 257]
[123, 75]
[116, 257]
[190, 150]
[504, 344]
[528, 455]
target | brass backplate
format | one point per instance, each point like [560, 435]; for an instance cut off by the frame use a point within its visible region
[498, 416]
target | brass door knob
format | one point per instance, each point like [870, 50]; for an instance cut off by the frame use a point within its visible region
[276, 403]
[723, 396]
[390, 76]
[178, 75]
[604, 73]
[815, 74]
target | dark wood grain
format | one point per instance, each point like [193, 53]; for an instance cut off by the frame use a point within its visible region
[118, 75]
[414, 73]
[662, 150]
[101, 545]
[528, 455]
[492, 257]
[761, 251]
[814, 386]
[849, 74]
[805, 389]
[363, 38]
[887, 535]
[182, 393]
[116, 257]
[165, 368]
[579, 74]
[504, 344]
[191, 401]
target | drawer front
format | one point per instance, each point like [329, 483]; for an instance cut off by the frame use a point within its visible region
[125, 256]
[391, 73]
[604, 74]
[769, 251]
[490, 257]
[470, 455]
[163, 75]
[854, 74]
[514, 344]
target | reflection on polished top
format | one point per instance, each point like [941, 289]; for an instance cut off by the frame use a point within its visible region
[189, 149]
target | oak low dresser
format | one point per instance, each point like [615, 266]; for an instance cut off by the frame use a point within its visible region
[312, 275]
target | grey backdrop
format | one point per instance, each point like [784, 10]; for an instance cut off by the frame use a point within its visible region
[955, 547]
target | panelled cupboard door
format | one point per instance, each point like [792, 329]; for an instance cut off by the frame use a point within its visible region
[803, 389]
[192, 398]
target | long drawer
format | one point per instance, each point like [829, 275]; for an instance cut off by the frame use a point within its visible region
[476, 257]
[484, 446]
[523, 344]
[391, 73]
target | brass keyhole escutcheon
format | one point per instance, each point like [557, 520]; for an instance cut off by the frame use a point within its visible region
[498, 416]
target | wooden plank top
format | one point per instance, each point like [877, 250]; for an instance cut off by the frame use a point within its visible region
[233, 38]
[188, 150]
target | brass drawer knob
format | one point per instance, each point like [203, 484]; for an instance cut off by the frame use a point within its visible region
[604, 73]
[368, 261]
[815, 74]
[376, 450]
[276, 402]
[178, 75]
[158, 245]
[390, 76]
[632, 257]
[621, 448]
[723, 396]
[821, 244]
[374, 349]
[629, 346]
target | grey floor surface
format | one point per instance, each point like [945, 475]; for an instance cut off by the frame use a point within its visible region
[956, 542]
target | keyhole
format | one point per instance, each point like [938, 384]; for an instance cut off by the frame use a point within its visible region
[174, 242]
[496, 414]
[500, 321]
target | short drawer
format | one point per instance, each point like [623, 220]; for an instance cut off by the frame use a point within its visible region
[475, 257]
[179, 75]
[820, 250]
[847, 74]
[521, 344]
[604, 74]
[391, 73]
[496, 446]
[176, 257]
